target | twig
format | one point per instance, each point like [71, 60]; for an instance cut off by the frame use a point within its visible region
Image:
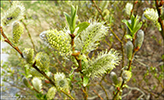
[98, 9]
[9, 42]
[104, 91]
[135, 88]
[97, 94]
[158, 7]
[29, 35]
[34, 66]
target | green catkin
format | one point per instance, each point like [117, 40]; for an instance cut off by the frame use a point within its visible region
[139, 39]
[16, 12]
[104, 63]
[18, 29]
[25, 82]
[42, 61]
[51, 93]
[57, 40]
[61, 81]
[126, 75]
[37, 83]
[28, 54]
[129, 49]
[114, 78]
[128, 8]
[89, 39]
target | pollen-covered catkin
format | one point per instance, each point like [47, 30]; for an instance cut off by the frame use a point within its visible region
[58, 40]
[18, 29]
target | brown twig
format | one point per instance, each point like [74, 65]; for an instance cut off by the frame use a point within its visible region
[9, 42]
[98, 9]
[158, 7]
[97, 94]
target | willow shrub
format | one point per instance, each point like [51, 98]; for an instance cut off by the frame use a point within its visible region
[66, 61]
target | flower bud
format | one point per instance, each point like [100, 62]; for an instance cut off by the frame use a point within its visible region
[51, 93]
[37, 83]
[42, 60]
[128, 8]
[114, 78]
[28, 54]
[126, 75]
[17, 31]
[119, 81]
[25, 81]
[139, 39]
[129, 49]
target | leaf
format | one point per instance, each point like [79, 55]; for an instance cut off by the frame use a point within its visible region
[82, 26]
[73, 20]
[128, 36]
[68, 18]
[72, 10]
[137, 27]
[128, 24]
[85, 81]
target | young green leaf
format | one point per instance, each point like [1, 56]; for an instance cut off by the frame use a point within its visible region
[82, 26]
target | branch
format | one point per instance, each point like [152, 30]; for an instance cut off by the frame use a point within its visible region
[9, 42]
[158, 7]
[34, 66]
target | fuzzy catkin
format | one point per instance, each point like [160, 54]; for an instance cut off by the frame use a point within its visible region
[28, 54]
[17, 31]
[61, 81]
[126, 75]
[129, 49]
[57, 40]
[139, 39]
[15, 13]
[42, 61]
[89, 39]
[104, 63]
